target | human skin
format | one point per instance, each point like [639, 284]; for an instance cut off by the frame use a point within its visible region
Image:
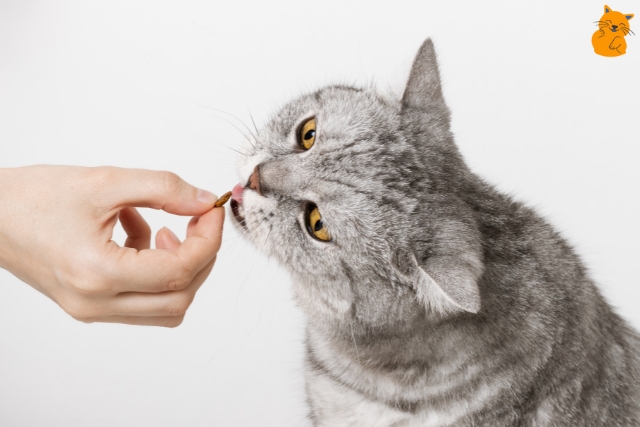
[56, 225]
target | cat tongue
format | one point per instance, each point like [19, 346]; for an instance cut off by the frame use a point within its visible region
[237, 192]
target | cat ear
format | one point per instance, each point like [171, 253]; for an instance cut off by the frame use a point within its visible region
[444, 283]
[629, 16]
[607, 9]
[423, 89]
[455, 279]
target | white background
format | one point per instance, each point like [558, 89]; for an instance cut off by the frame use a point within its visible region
[157, 85]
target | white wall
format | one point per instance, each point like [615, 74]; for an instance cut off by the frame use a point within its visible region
[135, 83]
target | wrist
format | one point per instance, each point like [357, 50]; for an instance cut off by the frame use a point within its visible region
[5, 185]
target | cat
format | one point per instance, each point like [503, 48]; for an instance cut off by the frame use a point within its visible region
[431, 299]
[609, 39]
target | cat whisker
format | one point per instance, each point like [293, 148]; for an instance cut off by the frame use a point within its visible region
[243, 124]
[239, 130]
[254, 124]
[217, 142]
[223, 145]
[218, 110]
[251, 230]
[229, 114]
[266, 238]
[245, 230]
[243, 233]
[204, 138]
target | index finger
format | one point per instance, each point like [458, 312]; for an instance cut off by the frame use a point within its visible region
[152, 189]
[160, 270]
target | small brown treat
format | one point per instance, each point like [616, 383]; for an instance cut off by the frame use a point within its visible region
[223, 199]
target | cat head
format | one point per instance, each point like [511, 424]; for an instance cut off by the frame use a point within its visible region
[359, 198]
[615, 22]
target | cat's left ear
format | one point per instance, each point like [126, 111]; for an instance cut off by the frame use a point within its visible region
[629, 16]
[443, 284]
[423, 90]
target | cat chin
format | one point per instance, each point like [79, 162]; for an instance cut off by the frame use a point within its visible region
[321, 306]
[251, 217]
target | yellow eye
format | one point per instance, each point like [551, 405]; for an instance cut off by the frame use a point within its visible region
[307, 134]
[315, 224]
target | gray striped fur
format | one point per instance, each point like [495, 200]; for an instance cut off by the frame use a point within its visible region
[440, 301]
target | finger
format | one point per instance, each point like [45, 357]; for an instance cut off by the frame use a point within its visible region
[173, 303]
[191, 227]
[161, 270]
[166, 239]
[204, 234]
[164, 321]
[137, 229]
[153, 189]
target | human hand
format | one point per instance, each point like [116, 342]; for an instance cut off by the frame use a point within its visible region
[56, 224]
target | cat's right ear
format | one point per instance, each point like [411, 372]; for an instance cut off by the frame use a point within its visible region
[607, 9]
[423, 90]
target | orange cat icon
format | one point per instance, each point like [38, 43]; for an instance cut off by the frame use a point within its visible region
[609, 39]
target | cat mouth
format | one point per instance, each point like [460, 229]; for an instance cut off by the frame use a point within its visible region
[236, 205]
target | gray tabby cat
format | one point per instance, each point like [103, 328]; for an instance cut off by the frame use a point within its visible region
[431, 299]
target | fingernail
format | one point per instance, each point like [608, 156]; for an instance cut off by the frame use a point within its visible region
[172, 235]
[206, 197]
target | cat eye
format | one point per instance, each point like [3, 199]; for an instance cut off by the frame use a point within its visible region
[315, 225]
[307, 134]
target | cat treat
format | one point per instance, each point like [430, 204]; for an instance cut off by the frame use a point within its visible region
[223, 199]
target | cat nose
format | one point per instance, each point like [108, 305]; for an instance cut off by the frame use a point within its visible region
[275, 177]
[254, 180]
[614, 26]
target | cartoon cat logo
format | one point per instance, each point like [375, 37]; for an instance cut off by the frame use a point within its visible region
[609, 39]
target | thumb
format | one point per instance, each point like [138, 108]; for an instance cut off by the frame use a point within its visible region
[157, 190]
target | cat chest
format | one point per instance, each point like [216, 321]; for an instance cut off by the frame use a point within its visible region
[334, 404]
[350, 394]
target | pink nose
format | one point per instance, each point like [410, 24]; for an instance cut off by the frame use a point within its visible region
[254, 181]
